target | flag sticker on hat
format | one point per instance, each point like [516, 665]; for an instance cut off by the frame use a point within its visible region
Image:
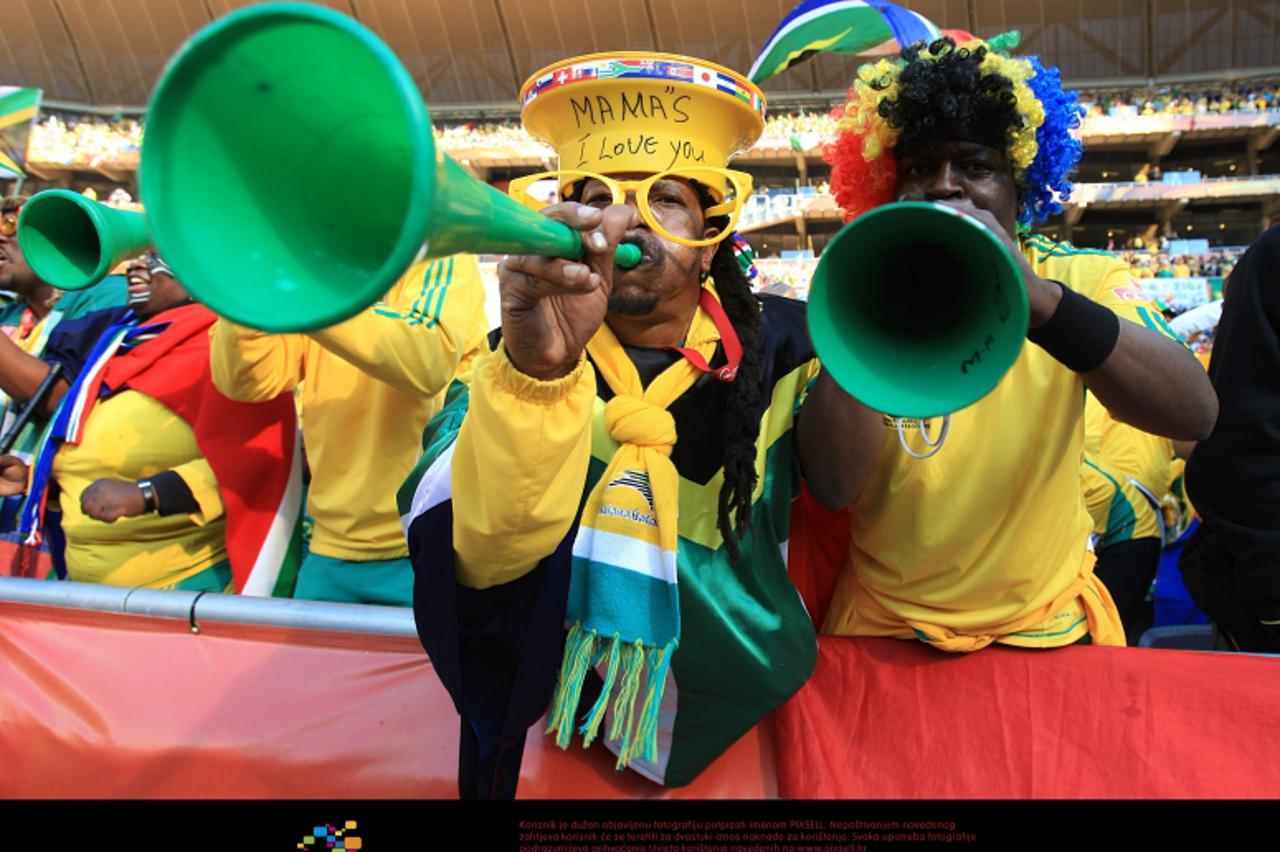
[650, 68]
[676, 71]
[641, 112]
[538, 86]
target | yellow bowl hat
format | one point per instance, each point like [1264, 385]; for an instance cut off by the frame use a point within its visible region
[639, 111]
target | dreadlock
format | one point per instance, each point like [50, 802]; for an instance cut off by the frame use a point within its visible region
[740, 418]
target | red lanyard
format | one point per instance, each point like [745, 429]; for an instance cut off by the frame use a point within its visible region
[25, 324]
[729, 337]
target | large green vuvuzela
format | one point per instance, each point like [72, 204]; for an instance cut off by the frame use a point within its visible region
[72, 242]
[917, 310]
[290, 176]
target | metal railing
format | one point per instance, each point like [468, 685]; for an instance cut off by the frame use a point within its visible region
[200, 608]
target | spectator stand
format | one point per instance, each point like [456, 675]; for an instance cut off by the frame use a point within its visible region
[791, 216]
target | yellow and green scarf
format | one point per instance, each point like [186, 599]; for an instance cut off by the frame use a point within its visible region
[623, 607]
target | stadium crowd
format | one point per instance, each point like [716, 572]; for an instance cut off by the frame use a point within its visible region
[69, 139]
[85, 141]
[1215, 264]
[645, 435]
[1247, 96]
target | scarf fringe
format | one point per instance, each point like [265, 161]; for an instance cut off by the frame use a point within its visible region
[623, 728]
[591, 727]
[635, 717]
[659, 663]
[613, 569]
[573, 671]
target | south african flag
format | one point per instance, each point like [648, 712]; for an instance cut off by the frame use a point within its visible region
[18, 108]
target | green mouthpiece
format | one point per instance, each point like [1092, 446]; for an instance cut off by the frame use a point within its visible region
[626, 255]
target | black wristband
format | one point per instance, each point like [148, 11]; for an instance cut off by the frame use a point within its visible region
[1081, 334]
[173, 496]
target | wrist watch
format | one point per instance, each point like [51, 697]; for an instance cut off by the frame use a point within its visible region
[150, 506]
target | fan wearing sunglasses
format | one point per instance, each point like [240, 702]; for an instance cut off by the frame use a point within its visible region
[30, 319]
[624, 461]
[26, 325]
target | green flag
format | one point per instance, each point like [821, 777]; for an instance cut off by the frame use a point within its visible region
[18, 108]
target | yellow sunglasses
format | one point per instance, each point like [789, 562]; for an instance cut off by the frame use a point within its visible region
[658, 199]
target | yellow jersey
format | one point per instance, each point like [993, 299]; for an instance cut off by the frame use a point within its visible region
[1125, 470]
[366, 388]
[1120, 511]
[989, 539]
[132, 436]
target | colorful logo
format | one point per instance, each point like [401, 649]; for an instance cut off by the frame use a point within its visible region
[325, 837]
[637, 480]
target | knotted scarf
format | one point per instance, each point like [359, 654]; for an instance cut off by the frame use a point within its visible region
[623, 607]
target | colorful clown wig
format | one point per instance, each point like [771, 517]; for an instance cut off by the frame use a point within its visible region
[941, 91]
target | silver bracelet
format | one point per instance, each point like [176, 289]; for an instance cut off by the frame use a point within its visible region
[149, 505]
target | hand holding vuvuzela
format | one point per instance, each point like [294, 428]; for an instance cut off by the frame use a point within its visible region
[551, 307]
[1042, 296]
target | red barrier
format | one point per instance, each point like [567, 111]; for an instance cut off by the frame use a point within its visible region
[892, 719]
[101, 705]
[18, 560]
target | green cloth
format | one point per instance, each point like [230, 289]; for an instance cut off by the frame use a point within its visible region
[388, 582]
[110, 292]
[11, 313]
[215, 578]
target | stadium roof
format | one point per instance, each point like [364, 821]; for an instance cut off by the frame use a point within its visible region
[470, 56]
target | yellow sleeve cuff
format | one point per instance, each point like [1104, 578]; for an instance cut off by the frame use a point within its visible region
[507, 378]
[199, 478]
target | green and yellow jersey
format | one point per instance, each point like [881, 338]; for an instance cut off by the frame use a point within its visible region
[492, 510]
[1126, 474]
[989, 539]
[366, 388]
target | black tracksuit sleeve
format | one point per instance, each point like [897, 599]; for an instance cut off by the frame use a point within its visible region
[1233, 476]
